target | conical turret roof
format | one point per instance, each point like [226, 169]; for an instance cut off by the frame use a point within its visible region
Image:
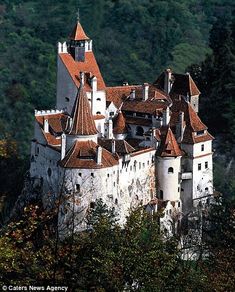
[78, 33]
[169, 146]
[83, 122]
[120, 124]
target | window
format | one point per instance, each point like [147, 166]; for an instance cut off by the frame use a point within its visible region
[206, 189]
[78, 188]
[114, 184]
[200, 133]
[206, 164]
[107, 174]
[49, 172]
[139, 131]
[80, 174]
[92, 174]
[111, 114]
[139, 165]
[199, 166]
[131, 168]
[170, 170]
[143, 165]
[116, 201]
[98, 113]
[98, 99]
[202, 147]
[178, 204]
[92, 205]
[161, 194]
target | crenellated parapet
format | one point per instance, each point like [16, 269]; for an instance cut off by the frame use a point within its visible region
[48, 112]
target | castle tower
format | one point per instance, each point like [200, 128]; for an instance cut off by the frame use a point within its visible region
[79, 43]
[168, 166]
[83, 126]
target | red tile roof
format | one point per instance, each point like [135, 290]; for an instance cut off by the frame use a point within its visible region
[51, 139]
[120, 94]
[182, 84]
[98, 117]
[83, 154]
[192, 122]
[83, 122]
[78, 33]
[89, 66]
[121, 146]
[168, 146]
[138, 121]
[57, 122]
[119, 124]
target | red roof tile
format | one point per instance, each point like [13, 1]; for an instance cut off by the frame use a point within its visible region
[83, 154]
[78, 33]
[83, 122]
[89, 66]
[192, 122]
[120, 94]
[168, 146]
[182, 84]
[57, 122]
[121, 146]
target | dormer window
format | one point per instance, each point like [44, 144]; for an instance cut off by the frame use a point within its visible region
[199, 133]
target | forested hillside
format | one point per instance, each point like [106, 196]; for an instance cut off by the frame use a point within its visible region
[133, 41]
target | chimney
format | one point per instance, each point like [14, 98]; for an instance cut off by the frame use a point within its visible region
[94, 84]
[180, 127]
[132, 95]
[145, 91]
[110, 129]
[46, 126]
[167, 81]
[63, 145]
[166, 116]
[99, 155]
[82, 78]
[113, 146]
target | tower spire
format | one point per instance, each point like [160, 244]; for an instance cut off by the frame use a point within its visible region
[78, 15]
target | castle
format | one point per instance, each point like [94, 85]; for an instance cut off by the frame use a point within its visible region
[128, 144]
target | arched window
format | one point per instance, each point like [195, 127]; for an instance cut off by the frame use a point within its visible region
[139, 131]
[98, 98]
[98, 113]
[161, 194]
[170, 170]
[116, 201]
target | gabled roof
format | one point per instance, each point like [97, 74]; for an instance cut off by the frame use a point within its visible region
[89, 66]
[119, 124]
[57, 122]
[193, 123]
[168, 146]
[83, 154]
[121, 94]
[121, 146]
[83, 122]
[78, 33]
[182, 84]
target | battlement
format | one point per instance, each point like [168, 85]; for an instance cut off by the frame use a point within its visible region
[62, 47]
[48, 112]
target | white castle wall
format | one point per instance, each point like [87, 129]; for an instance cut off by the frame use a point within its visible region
[97, 101]
[66, 88]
